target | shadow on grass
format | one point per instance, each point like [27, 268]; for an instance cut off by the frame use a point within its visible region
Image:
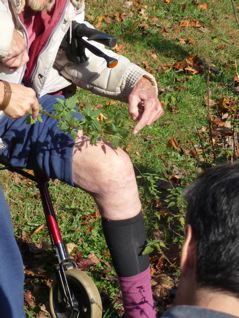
[171, 49]
[40, 275]
[157, 42]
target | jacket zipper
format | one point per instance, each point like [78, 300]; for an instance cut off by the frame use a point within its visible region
[45, 47]
[27, 42]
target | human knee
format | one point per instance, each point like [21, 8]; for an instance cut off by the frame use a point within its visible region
[101, 170]
[117, 172]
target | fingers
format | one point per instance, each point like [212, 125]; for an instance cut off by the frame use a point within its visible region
[35, 110]
[133, 107]
[153, 110]
[33, 104]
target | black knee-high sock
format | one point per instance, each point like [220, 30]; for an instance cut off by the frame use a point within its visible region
[126, 240]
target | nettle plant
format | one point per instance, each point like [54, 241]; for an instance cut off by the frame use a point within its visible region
[92, 122]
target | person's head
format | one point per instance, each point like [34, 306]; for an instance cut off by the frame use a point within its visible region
[210, 255]
[40, 5]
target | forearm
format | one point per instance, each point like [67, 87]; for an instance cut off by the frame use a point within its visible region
[95, 76]
[5, 94]
[1, 94]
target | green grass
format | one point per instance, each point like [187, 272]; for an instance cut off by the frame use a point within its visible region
[151, 36]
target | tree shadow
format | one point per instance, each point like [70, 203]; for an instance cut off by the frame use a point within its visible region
[157, 42]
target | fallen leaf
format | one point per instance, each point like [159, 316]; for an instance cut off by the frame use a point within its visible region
[154, 56]
[218, 122]
[29, 299]
[128, 148]
[227, 104]
[164, 30]
[43, 312]
[172, 142]
[161, 284]
[203, 6]
[71, 247]
[190, 24]
[184, 41]
[94, 259]
[38, 229]
[191, 70]
[101, 117]
[209, 102]
[192, 65]
[236, 78]
[119, 48]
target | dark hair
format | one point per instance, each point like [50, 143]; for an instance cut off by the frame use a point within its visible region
[213, 213]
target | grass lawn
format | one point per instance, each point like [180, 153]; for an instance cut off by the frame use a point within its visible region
[192, 49]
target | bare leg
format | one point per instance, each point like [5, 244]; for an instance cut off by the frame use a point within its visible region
[108, 175]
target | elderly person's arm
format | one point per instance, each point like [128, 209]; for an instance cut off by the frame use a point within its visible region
[126, 82]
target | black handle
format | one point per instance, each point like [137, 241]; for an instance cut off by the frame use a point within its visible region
[76, 51]
[82, 30]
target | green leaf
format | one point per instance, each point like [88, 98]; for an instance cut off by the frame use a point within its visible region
[148, 249]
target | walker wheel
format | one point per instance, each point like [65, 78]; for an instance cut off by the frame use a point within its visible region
[84, 293]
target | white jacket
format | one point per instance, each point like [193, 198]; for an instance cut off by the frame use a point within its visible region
[54, 71]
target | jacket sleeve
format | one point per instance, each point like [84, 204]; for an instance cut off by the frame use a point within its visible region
[6, 24]
[95, 76]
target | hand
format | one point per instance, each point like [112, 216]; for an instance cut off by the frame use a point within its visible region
[17, 55]
[23, 101]
[144, 106]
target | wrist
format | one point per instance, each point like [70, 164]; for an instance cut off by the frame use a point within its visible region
[5, 94]
[1, 93]
[146, 80]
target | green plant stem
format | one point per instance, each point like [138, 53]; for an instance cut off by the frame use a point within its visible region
[235, 12]
[209, 119]
[44, 112]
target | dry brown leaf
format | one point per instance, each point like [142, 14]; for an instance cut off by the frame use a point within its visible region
[119, 48]
[162, 283]
[236, 79]
[209, 102]
[164, 30]
[218, 122]
[94, 259]
[188, 40]
[203, 6]
[154, 21]
[175, 179]
[101, 118]
[191, 70]
[192, 65]
[71, 247]
[154, 56]
[128, 148]
[190, 23]
[43, 313]
[102, 18]
[227, 104]
[98, 106]
[111, 102]
[29, 299]
[38, 229]
[172, 142]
